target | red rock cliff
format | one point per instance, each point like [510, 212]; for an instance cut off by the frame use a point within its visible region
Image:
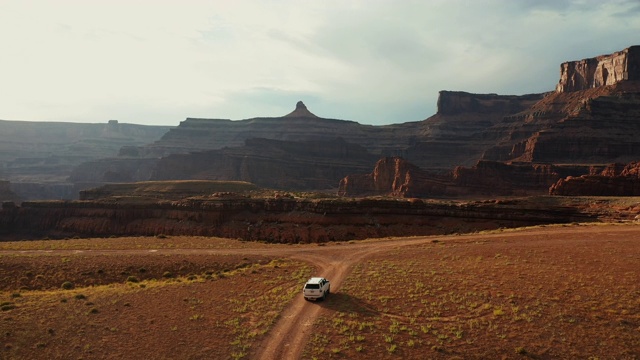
[614, 180]
[283, 219]
[393, 176]
[600, 71]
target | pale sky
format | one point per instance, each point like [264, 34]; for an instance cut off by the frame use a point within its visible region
[375, 62]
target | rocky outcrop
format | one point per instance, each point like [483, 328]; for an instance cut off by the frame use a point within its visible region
[397, 177]
[167, 190]
[282, 219]
[614, 180]
[497, 178]
[300, 111]
[600, 71]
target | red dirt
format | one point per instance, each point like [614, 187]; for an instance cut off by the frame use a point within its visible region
[586, 277]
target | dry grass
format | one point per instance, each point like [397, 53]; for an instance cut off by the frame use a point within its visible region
[541, 293]
[490, 298]
[219, 312]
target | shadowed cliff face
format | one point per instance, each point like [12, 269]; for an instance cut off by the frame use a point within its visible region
[38, 157]
[464, 128]
[302, 151]
[614, 180]
[307, 165]
[284, 219]
[594, 126]
[397, 177]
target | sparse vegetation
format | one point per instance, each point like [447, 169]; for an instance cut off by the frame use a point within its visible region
[455, 297]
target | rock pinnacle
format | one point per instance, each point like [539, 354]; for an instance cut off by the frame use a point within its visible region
[301, 111]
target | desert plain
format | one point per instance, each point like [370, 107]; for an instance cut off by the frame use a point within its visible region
[547, 292]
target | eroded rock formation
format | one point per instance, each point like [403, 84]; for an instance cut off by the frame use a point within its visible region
[282, 219]
[600, 71]
[614, 180]
[397, 177]
[592, 126]
[461, 131]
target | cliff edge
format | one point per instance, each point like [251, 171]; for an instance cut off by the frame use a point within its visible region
[600, 70]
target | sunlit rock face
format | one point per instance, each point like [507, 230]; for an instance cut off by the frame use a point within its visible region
[600, 71]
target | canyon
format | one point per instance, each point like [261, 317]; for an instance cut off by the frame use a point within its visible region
[477, 146]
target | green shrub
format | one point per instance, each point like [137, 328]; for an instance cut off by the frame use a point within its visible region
[67, 285]
[133, 279]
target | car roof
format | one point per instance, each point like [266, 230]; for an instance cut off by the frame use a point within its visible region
[315, 280]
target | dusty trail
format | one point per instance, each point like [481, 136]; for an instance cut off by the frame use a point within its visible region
[289, 336]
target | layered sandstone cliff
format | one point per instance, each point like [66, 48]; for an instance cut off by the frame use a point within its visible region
[277, 164]
[399, 178]
[600, 71]
[394, 176]
[37, 157]
[591, 119]
[301, 124]
[282, 219]
[614, 180]
[461, 131]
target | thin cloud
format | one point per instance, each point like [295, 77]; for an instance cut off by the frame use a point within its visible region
[375, 62]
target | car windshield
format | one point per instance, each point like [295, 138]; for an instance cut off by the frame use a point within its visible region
[312, 286]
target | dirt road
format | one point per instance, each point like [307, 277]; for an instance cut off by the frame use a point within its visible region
[289, 336]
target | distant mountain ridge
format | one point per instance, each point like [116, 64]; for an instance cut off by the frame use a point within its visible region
[590, 120]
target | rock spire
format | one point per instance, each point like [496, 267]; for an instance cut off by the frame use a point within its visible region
[301, 111]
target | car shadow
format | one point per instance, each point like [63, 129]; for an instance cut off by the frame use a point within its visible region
[347, 303]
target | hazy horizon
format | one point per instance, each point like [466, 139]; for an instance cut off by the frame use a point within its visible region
[374, 62]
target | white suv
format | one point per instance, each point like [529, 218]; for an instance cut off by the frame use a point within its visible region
[316, 288]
